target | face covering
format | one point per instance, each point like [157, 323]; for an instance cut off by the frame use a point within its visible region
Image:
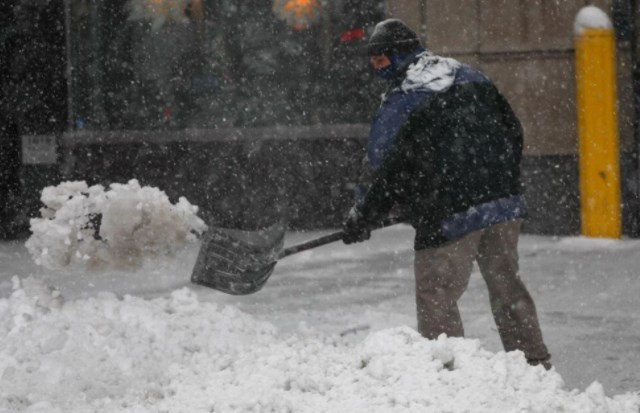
[396, 59]
[386, 73]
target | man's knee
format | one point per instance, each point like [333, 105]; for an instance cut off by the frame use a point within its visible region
[440, 295]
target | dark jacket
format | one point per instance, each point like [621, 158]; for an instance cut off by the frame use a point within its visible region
[446, 145]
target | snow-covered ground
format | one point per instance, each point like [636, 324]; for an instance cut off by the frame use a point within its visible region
[332, 331]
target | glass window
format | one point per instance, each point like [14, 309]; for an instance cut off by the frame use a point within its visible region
[149, 64]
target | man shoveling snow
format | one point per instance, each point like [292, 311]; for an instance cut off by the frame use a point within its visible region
[446, 145]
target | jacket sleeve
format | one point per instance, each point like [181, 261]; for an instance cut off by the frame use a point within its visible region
[391, 183]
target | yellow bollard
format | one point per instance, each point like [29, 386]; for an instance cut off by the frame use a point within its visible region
[600, 198]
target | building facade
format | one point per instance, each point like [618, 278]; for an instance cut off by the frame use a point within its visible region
[261, 108]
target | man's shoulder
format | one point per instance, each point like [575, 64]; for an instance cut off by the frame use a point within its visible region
[469, 74]
[397, 101]
[432, 76]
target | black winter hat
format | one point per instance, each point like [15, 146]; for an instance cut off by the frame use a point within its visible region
[392, 36]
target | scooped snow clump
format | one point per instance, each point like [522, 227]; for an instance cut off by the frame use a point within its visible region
[119, 227]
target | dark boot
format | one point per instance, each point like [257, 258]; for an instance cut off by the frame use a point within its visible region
[546, 363]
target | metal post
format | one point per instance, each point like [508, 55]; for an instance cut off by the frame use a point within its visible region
[600, 192]
[97, 66]
[635, 87]
[69, 68]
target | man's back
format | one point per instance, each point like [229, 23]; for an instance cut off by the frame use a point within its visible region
[468, 146]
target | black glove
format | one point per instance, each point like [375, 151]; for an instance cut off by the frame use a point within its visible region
[354, 228]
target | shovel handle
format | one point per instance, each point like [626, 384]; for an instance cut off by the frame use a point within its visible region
[333, 237]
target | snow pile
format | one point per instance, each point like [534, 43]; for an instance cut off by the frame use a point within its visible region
[118, 227]
[177, 354]
[591, 17]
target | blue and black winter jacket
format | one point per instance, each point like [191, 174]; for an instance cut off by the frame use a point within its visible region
[447, 145]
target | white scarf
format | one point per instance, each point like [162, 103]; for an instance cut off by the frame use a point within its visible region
[430, 73]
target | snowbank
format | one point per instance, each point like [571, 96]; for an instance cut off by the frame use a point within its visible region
[118, 227]
[177, 354]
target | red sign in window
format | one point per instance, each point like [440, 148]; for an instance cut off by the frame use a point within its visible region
[352, 35]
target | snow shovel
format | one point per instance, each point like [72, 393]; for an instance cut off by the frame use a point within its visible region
[240, 262]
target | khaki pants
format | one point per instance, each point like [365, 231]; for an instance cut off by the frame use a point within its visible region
[442, 275]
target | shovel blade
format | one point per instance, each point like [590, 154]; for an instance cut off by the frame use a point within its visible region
[238, 262]
[234, 284]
